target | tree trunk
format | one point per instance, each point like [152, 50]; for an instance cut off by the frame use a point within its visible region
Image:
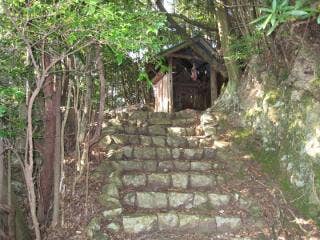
[102, 79]
[1, 171]
[49, 122]
[224, 34]
[57, 152]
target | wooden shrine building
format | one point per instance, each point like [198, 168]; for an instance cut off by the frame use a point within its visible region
[194, 79]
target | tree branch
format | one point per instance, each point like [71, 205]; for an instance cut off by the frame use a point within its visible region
[194, 22]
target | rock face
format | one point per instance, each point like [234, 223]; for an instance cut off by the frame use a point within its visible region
[287, 114]
[164, 177]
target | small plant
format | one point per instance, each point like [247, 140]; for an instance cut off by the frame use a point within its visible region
[280, 11]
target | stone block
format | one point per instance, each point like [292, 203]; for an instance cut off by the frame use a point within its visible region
[218, 200]
[157, 130]
[111, 190]
[182, 165]
[159, 180]
[134, 180]
[177, 131]
[139, 224]
[166, 166]
[109, 202]
[180, 180]
[130, 130]
[152, 200]
[120, 139]
[228, 223]
[209, 153]
[199, 180]
[200, 199]
[134, 139]
[201, 166]
[159, 141]
[188, 221]
[168, 221]
[144, 153]
[163, 153]
[176, 153]
[207, 224]
[139, 115]
[207, 118]
[205, 142]
[176, 141]
[127, 151]
[130, 199]
[156, 120]
[150, 166]
[145, 140]
[114, 227]
[180, 200]
[209, 131]
[112, 213]
[193, 142]
[192, 154]
[131, 165]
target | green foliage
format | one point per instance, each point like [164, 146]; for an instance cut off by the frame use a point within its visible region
[11, 122]
[143, 76]
[244, 47]
[280, 11]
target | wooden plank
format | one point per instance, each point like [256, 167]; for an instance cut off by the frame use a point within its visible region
[213, 84]
[170, 85]
[183, 56]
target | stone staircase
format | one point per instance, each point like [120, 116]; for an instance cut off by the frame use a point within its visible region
[163, 175]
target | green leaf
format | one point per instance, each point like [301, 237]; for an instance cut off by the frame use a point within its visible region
[274, 5]
[271, 30]
[298, 13]
[259, 19]
[3, 111]
[265, 23]
[268, 10]
[318, 20]
[284, 3]
[273, 20]
[119, 58]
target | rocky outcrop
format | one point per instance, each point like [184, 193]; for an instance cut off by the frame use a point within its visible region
[283, 109]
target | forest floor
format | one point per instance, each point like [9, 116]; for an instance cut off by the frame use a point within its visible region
[282, 220]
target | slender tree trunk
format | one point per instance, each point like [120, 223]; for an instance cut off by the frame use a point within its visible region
[63, 125]
[1, 171]
[11, 218]
[102, 79]
[57, 152]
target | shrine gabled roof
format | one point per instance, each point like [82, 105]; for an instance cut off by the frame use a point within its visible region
[202, 48]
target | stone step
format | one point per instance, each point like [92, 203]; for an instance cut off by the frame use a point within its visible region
[166, 221]
[154, 130]
[171, 200]
[167, 166]
[177, 122]
[161, 153]
[156, 141]
[145, 116]
[181, 180]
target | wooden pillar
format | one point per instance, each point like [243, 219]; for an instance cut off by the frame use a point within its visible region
[170, 85]
[213, 85]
